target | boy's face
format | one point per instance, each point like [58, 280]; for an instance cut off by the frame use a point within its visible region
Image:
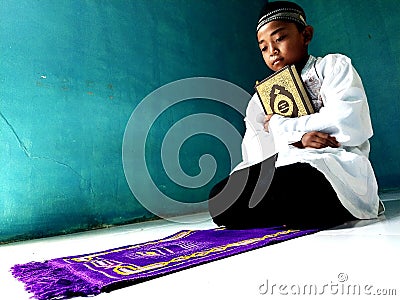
[282, 44]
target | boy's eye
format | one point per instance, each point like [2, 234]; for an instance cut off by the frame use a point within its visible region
[263, 49]
[281, 38]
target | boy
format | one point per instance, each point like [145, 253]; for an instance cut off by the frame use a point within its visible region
[323, 176]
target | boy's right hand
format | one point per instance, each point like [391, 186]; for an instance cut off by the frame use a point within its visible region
[266, 122]
[319, 140]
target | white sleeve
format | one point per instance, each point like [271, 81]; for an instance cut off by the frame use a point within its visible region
[345, 113]
[257, 145]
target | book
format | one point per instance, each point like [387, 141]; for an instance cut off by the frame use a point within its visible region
[284, 93]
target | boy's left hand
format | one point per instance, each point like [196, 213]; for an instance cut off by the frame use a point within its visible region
[318, 140]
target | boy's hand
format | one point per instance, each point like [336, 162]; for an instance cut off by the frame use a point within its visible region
[318, 140]
[266, 122]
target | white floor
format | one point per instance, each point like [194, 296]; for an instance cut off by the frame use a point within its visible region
[361, 258]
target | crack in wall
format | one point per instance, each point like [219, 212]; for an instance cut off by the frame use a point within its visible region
[29, 155]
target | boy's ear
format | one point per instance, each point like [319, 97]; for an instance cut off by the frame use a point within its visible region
[308, 33]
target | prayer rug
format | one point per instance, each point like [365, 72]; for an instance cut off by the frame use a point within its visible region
[91, 274]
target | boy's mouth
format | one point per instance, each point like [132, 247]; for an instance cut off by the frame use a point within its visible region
[276, 61]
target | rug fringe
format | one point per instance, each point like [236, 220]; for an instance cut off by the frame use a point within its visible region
[47, 281]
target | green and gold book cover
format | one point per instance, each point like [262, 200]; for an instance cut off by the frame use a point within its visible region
[283, 93]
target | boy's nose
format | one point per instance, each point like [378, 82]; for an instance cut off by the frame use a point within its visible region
[273, 50]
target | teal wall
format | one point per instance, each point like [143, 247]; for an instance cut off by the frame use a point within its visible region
[72, 72]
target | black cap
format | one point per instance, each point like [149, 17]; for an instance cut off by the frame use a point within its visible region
[281, 10]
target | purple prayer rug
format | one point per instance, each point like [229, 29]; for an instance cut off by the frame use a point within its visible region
[91, 274]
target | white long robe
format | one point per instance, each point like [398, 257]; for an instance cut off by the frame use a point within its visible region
[332, 82]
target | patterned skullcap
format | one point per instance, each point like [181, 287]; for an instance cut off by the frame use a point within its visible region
[281, 10]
